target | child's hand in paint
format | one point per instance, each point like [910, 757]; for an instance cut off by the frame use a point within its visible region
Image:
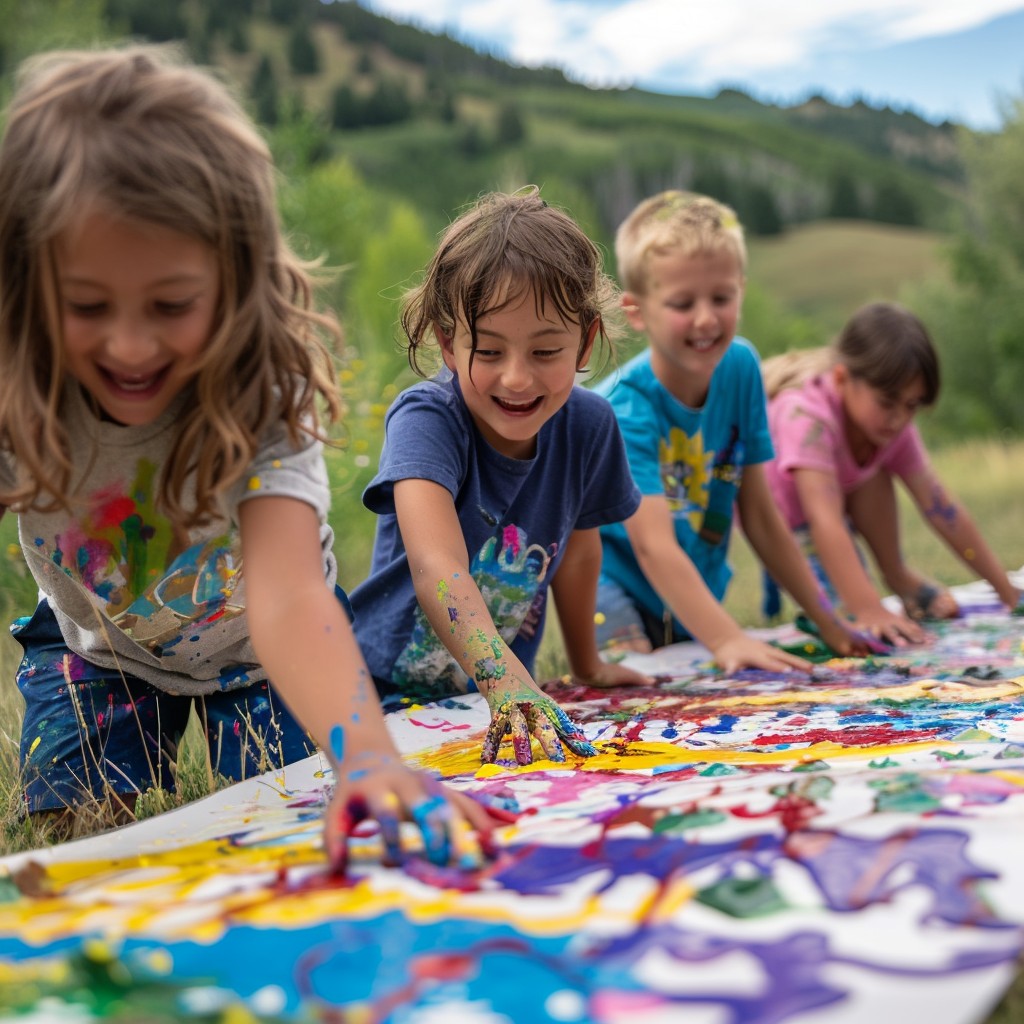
[606, 675]
[849, 642]
[889, 627]
[372, 782]
[740, 651]
[519, 708]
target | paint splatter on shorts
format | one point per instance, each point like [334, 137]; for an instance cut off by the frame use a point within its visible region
[88, 730]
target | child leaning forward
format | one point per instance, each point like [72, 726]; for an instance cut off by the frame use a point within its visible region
[496, 474]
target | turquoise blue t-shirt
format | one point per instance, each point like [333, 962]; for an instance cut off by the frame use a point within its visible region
[695, 457]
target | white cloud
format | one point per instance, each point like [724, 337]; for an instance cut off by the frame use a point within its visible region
[604, 42]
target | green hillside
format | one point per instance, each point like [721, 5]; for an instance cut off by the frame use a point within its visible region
[434, 122]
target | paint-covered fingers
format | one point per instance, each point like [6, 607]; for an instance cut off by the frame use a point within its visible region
[495, 734]
[568, 731]
[344, 813]
[432, 816]
[547, 735]
[508, 718]
[454, 828]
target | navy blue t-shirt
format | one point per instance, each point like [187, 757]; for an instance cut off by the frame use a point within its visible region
[516, 516]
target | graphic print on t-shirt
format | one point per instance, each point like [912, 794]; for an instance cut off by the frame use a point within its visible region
[152, 584]
[508, 571]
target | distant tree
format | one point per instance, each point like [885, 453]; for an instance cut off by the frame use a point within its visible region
[157, 22]
[843, 201]
[303, 55]
[979, 324]
[346, 108]
[238, 36]
[283, 12]
[364, 65]
[710, 179]
[894, 204]
[471, 140]
[447, 110]
[760, 212]
[510, 128]
[264, 92]
[389, 103]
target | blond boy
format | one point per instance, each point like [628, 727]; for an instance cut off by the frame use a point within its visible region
[693, 414]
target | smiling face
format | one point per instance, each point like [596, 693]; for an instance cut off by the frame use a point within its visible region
[521, 372]
[689, 311]
[138, 303]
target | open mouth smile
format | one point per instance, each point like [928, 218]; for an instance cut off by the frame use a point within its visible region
[133, 384]
[518, 408]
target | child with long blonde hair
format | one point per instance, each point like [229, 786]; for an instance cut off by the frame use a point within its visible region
[841, 418]
[161, 368]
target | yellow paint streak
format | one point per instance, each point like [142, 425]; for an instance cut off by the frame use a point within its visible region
[462, 757]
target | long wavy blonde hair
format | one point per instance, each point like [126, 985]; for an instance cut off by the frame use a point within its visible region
[148, 137]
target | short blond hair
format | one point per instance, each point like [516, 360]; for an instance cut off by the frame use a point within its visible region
[685, 221]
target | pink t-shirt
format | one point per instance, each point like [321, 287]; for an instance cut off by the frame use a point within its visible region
[806, 425]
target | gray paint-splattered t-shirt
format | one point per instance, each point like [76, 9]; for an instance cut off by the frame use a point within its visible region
[131, 592]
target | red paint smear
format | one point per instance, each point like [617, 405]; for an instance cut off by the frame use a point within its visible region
[114, 512]
[794, 812]
[444, 726]
[866, 737]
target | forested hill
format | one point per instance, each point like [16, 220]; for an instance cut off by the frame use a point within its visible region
[437, 122]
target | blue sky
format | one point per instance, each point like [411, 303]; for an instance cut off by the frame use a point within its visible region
[941, 58]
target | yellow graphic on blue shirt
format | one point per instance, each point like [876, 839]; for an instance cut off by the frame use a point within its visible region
[508, 571]
[153, 583]
[701, 486]
[685, 474]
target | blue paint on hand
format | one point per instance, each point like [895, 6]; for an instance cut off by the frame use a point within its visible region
[337, 740]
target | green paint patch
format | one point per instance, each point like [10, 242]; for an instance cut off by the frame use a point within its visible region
[886, 762]
[812, 766]
[673, 824]
[1010, 753]
[909, 801]
[743, 897]
[819, 788]
[716, 769]
[974, 736]
[960, 755]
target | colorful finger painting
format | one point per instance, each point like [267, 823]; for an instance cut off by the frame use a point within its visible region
[760, 849]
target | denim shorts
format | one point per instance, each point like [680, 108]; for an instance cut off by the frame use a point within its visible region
[620, 620]
[89, 730]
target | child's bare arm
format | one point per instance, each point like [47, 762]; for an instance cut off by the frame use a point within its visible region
[574, 588]
[775, 546]
[953, 523]
[680, 585]
[303, 639]
[455, 608]
[822, 502]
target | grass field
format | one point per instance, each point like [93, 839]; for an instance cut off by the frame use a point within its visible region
[827, 269]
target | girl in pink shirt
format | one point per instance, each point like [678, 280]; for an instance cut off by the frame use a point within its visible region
[841, 420]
